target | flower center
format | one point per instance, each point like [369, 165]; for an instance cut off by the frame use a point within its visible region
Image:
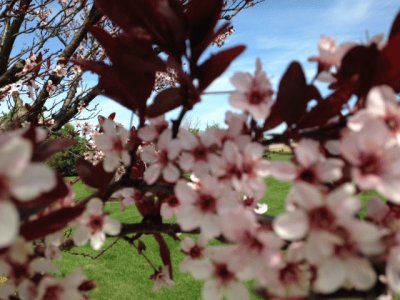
[196, 252]
[117, 145]
[222, 272]
[256, 97]
[371, 164]
[207, 203]
[96, 223]
[53, 292]
[289, 274]
[307, 175]
[172, 201]
[200, 152]
[393, 123]
[163, 157]
[321, 218]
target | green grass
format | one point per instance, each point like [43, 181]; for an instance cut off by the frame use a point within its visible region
[121, 273]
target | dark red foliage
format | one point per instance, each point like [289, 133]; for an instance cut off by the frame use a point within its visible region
[213, 67]
[395, 30]
[46, 149]
[93, 176]
[165, 101]
[293, 94]
[50, 223]
[326, 109]
[359, 66]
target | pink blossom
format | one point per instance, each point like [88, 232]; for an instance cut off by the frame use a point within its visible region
[196, 151]
[289, 276]
[252, 243]
[194, 256]
[60, 70]
[61, 289]
[221, 279]
[21, 179]
[170, 207]
[381, 105]
[329, 53]
[50, 87]
[152, 131]
[312, 166]
[253, 94]
[161, 279]
[113, 143]
[375, 161]
[161, 159]
[94, 225]
[201, 205]
[128, 196]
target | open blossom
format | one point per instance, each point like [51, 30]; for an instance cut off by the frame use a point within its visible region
[245, 169]
[113, 144]
[93, 225]
[160, 159]
[21, 179]
[202, 204]
[60, 70]
[169, 207]
[289, 276]
[375, 160]
[162, 279]
[128, 196]
[194, 255]
[196, 151]
[312, 166]
[334, 238]
[30, 63]
[61, 289]
[330, 54]
[220, 278]
[253, 93]
[252, 243]
[50, 87]
[381, 105]
[152, 131]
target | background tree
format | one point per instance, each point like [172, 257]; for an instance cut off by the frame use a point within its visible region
[38, 40]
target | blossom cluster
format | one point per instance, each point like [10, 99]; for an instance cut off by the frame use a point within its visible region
[345, 148]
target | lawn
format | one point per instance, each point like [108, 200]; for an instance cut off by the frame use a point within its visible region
[121, 273]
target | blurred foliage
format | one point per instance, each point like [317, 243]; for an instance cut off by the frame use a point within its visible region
[65, 162]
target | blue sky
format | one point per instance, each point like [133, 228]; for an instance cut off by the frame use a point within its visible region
[279, 31]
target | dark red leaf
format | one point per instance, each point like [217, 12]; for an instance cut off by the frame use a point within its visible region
[164, 252]
[199, 48]
[202, 15]
[93, 176]
[45, 150]
[313, 93]
[359, 66]
[388, 66]
[165, 101]
[50, 223]
[274, 118]
[216, 65]
[326, 109]
[395, 30]
[293, 95]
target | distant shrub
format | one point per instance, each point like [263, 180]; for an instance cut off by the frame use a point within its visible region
[65, 162]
